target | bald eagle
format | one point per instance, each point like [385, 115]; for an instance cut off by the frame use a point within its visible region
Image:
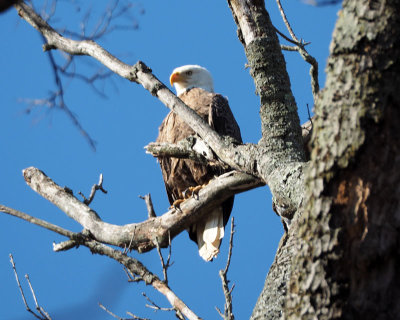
[194, 86]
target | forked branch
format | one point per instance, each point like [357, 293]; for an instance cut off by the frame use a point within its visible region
[41, 313]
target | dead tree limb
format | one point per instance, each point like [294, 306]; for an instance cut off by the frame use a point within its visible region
[138, 236]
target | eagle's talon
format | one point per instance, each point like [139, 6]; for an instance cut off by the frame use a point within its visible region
[195, 191]
[177, 205]
[187, 193]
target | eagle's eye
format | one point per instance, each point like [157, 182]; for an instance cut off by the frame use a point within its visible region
[189, 73]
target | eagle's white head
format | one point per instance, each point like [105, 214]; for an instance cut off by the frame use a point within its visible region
[191, 76]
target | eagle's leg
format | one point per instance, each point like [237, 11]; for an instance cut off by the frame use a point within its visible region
[186, 194]
[196, 190]
[192, 192]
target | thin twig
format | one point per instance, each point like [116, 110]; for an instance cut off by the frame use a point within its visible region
[37, 221]
[301, 49]
[287, 22]
[98, 186]
[104, 26]
[136, 317]
[110, 313]
[228, 314]
[170, 250]
[18, 282]
[137, 268]
[153, 305]
[43, 315]
[149, 205]
[156, 307]
[129, 247]
[164, 266]
[290, 40]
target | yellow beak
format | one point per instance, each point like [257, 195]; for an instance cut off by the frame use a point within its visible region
[175, 77]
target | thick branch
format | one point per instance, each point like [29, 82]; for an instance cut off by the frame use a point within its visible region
[141, 236]
[283, 155]
[280, 122]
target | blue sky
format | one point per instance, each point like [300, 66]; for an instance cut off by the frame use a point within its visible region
[171, 33]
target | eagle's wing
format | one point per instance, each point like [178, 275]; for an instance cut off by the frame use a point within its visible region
[221, 118]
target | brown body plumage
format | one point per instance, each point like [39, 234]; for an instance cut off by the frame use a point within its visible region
[180, 174]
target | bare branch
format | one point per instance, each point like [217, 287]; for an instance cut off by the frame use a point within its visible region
[43, 315]
[135, 317]
[286, 21]
[98, 186]
[36, 221]
[153, 305]
[137, 268]
[165, 265]
[184, 149]
[228, 314]
[56, 98]
[303, 52]
[149, 205]
[139, 236]
[119, 318]
[110, 313]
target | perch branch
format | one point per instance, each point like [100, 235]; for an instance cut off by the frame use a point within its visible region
[139, 236]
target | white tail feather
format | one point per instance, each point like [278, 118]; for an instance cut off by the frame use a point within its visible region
[210, 233]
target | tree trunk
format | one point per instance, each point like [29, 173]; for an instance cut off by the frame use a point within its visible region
[341, 258]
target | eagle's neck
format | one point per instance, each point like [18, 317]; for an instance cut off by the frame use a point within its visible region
[202, 85]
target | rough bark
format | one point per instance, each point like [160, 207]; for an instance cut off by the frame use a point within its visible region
[349, 235]
[280, 125]
[341, 257]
